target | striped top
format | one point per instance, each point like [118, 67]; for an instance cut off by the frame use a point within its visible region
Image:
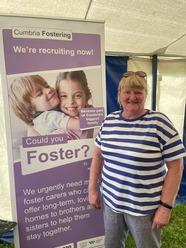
[135, 152]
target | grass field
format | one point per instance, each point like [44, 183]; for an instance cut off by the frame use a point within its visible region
[173, 236]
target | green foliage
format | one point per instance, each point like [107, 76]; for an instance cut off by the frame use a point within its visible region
[3, 245]
[173, 236]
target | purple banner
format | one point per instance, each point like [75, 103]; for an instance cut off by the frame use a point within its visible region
[41, 55]
[56, 212]
[53, 87]
[44, 140]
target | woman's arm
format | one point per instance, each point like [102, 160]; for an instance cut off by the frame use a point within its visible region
[95, 171]
[169, 192]
[172, 181]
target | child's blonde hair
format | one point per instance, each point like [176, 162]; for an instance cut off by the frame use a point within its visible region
[20, 93]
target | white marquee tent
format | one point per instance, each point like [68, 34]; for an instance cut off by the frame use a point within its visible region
[131, 26]
[136, 28]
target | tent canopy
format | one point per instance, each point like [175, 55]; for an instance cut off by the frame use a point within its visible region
[143, 27]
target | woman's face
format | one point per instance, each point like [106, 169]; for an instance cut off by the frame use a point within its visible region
[44, 98]
[72, 97]
[132, 101]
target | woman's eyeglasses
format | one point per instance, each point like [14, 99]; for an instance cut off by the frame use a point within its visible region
[138, 73]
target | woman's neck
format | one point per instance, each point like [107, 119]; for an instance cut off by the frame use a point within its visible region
[133, 115]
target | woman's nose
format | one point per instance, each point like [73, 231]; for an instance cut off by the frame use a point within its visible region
[132, 95]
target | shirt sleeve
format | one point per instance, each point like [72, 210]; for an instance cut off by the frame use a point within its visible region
[48, 121]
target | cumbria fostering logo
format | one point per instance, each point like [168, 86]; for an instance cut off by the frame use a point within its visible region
[97, 242]
[41, 33]
[66, 246]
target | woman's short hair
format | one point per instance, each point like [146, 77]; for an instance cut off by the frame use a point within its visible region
[132, 81]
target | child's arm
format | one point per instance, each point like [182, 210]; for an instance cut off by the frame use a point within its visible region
[56, 119]
[73, 123]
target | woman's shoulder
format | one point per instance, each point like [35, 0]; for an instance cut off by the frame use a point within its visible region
[157, 115]
[113, 115]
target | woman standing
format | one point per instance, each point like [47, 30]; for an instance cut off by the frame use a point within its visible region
[139, 156]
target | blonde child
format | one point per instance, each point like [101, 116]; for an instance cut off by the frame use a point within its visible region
[36, 103]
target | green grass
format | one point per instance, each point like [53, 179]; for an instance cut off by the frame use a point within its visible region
[173, 236]
[6, 245]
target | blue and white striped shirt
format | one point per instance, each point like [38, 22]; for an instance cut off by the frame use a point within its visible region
[135, 152]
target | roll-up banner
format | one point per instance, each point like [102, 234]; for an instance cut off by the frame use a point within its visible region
[53, 82]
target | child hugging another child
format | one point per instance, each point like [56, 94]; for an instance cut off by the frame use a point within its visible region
[37, 104]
